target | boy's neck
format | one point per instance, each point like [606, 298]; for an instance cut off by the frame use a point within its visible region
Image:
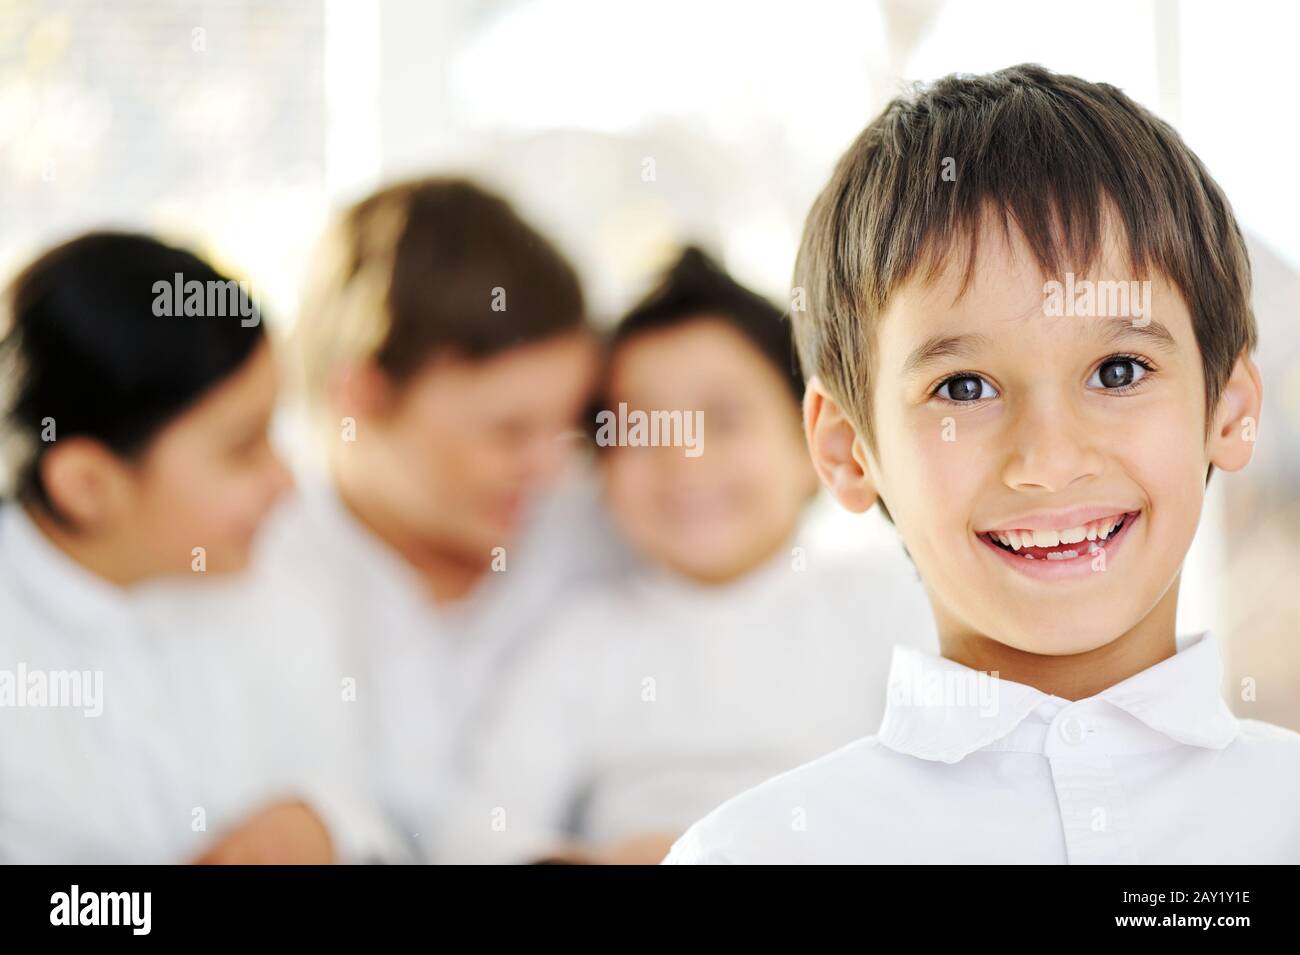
[1074, 676]
[447, 575]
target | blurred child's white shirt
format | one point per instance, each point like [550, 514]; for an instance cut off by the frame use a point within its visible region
[424, 672]
[655, 699]
[199, 717]
[968, 768]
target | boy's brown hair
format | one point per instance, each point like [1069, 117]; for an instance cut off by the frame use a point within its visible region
[1053, 153]
[428, 267]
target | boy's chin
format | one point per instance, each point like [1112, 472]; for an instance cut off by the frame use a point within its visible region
[1050, 639]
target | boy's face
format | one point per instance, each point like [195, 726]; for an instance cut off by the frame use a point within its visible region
[719, 514]
[992, 416]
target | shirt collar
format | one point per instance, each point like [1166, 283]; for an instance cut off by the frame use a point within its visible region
[1181, 696]
[940, 710]
[53, 583]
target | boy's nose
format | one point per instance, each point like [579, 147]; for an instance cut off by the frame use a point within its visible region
[1049, 449]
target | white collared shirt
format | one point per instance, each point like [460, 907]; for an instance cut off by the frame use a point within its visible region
[968, 768]
[425, 672]
[194, 716]
[654, 699]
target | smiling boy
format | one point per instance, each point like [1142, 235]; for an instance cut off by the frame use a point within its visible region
[1045, 468]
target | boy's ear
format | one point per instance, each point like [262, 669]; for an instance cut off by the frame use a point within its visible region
[1236, 419]
[836, 451]
[84, 482]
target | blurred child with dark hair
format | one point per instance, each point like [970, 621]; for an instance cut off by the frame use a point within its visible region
[734, 651]
[133, 723]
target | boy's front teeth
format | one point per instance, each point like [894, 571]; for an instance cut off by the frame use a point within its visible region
[1093, 530]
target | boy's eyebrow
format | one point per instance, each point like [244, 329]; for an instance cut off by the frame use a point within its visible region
[939, 347]
[1151, 331]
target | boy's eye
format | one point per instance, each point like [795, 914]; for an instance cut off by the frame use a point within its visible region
[1117, 373]
[965, 388]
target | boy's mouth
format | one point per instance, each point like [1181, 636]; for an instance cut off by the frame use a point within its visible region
[1073, 544]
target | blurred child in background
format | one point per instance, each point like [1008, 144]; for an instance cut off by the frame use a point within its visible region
[132, 727]
[445, 359]
[734, 651]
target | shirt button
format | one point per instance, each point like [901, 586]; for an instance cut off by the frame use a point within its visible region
[1072, 730]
